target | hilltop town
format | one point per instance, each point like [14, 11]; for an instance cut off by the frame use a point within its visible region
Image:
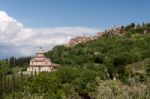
[113, 31]
[81, 39]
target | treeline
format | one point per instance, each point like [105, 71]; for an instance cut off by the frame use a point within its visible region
[137, 27]
[20, 61]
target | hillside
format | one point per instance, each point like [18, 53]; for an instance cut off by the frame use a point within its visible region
[123, 56]
[111, 51]
[115, 65]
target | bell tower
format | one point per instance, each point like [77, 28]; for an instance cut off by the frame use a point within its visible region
[40, 52]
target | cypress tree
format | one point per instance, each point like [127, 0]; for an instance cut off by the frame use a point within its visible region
[13, 85]
[4, 85]
[22, 83]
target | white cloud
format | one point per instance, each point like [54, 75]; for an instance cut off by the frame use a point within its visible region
[17, 40]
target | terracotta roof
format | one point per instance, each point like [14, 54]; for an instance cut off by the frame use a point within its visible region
[40, 59]
[52, 65]
[40, 65]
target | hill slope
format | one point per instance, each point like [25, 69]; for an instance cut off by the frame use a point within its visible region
[89, 70]
[113, 51]
[115, 65]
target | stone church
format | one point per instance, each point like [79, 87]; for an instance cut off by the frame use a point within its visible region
[40, 63]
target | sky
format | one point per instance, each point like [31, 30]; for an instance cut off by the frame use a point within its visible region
[27, 24]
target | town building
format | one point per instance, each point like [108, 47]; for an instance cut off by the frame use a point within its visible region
[40, 63]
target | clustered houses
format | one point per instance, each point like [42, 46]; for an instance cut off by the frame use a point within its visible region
[77, 40]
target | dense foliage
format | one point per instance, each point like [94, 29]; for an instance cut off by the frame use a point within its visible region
[112, 66]
[112, 51]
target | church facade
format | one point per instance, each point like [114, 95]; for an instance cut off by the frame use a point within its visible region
[40, 63]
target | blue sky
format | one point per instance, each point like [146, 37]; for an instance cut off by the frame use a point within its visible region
[87, 13]
[26, 25]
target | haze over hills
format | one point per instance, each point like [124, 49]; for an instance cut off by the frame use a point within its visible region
[26, 26]
[18, 40]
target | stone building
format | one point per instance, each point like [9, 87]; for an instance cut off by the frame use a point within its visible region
[40, 63]
[81, 39]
